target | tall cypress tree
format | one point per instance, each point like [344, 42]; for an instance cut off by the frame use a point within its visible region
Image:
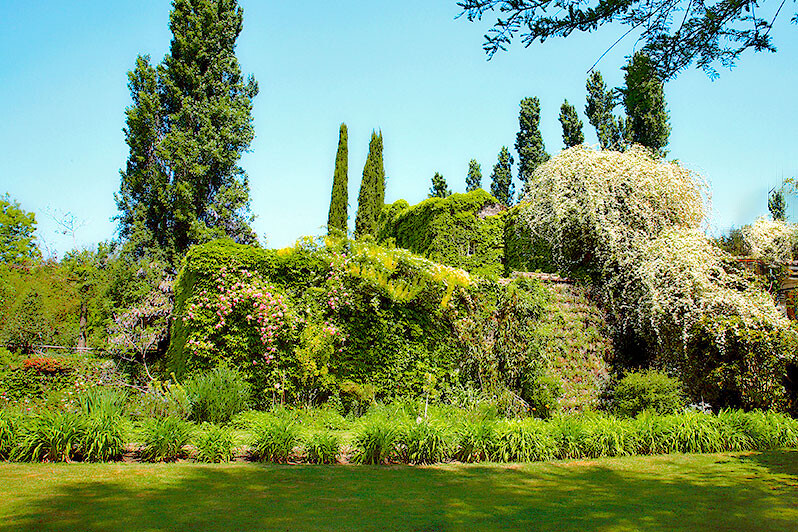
[571, 126]
[529, 140]
[336, 219]
[190, 122]
[501, 180]
[439, 187]
[474, 176]
[644, 99]
[598, 109]
[372, 188]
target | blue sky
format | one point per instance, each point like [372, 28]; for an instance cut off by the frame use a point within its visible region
[408, 68]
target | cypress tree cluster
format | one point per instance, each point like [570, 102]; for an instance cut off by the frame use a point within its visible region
[371, 197]
[336, 220]
[501, 180]
[474, 176]
[644, 99]
[529, 140]
[439, 187]
[571, 126]
[599, 106]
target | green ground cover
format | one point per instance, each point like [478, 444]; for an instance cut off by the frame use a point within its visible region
[739, 491]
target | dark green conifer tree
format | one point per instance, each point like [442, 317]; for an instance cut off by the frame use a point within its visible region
[474, 176]
[501, 180]
[337, 217]
[777, 206]
[372, 189]
[598, 109]
[571, 126]
[190, 122]
[644, 99]
[439, 187]
[529, 141]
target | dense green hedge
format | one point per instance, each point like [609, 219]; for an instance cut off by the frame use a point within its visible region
[449, 230]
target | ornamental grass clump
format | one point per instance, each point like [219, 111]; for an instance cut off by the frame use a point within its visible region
[9, 428]
[477, 440]
[525, 440]
[218, 395]
[594, 435]
[213, 444]
[376, 442]
[322, 447]
[424, 441]
[633, 225]
[52, 436]
[103, 438]
[165, 439]
[273, 440]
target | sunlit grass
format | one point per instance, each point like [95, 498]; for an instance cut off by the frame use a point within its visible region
[751, 491]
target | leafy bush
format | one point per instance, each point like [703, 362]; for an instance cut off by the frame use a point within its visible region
[163, 400]
[218, 395]
[523, 441]
[103, 438]
[650, 390]
[375, 442]
[425, 442]
[52, 436]
[164, 439]
[273, 440]
[322, 447]
[214, 444]
[477, 441]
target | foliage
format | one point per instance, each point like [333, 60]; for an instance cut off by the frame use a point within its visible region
[632, 225]
[529, 142]
[9, 430]
[651, 390]
[477, 441]
[322, 448]
[164, 400]
[103, 438]
[523, 441]
[371, 198]
[213, 444]
[598, 109]
[17, 228]
[375, 442]
[337, 218]
[164, 439]
[439, 187]
[501, 179]
[188, 125]
[776, 204]
[423, 441]
[571, 126]
[473, 176]
[771, 241]
[51, 436]
[274, 440]
[455, 231]
[644, 100]
[708, 33]
[216, 396]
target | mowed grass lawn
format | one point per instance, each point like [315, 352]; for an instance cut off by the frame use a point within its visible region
[750, 491]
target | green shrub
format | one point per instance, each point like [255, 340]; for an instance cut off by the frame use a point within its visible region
[218, 395]
[103, 438]
[375, 442]
[52, 436]
[9, 427]
[164, 439]
[163, 400]
[214, 444]
[523, 441]
[425, 442]
[274, 440]
[647, 390]
[102, 402]
[477, 441]
[322, 448]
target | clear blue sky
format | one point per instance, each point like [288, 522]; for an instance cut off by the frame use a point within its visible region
[407, 68]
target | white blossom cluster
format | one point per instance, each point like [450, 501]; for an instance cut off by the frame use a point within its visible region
[771, 241]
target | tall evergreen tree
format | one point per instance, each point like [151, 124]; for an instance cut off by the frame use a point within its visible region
[189, 124]
[644, 99]
[571, 126]
[372, 189]
[529, 140]
[777, 205]
[337, 217]
[501, 180]
[439, 187]
[474, 176]
[598, 109]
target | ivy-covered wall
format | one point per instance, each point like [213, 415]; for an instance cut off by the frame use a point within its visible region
[523, 252]
[452, 230]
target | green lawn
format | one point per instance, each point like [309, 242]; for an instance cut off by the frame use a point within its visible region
[751, 491]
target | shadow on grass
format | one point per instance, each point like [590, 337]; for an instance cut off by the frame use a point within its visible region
[712, 492]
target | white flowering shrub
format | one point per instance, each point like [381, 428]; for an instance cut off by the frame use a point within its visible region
[633, 226]
[771, 241]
